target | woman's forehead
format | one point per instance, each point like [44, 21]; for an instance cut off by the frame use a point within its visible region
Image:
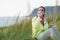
[40, 8]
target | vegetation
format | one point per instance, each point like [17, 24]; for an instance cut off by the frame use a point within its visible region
[20, 31]
[23, 30]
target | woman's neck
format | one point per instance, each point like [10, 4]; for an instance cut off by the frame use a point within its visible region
[41, 17]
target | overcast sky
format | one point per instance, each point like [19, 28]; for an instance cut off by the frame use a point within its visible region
[14, 7]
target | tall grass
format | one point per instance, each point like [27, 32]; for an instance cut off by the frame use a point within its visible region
[23, 30]
[20, 32]
[54, 19]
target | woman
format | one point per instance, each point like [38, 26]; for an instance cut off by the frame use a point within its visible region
[40, 28]
[39, 23]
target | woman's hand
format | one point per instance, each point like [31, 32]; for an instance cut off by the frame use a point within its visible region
[51, 24]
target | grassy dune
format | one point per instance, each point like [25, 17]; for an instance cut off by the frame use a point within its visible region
[23, 30]
[55, 20]
[20, 31]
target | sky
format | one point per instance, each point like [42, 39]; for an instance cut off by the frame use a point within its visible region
[21, 7]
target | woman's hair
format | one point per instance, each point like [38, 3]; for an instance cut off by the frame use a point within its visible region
[42, 7]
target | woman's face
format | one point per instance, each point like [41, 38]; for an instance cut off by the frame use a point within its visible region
[41, 10]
